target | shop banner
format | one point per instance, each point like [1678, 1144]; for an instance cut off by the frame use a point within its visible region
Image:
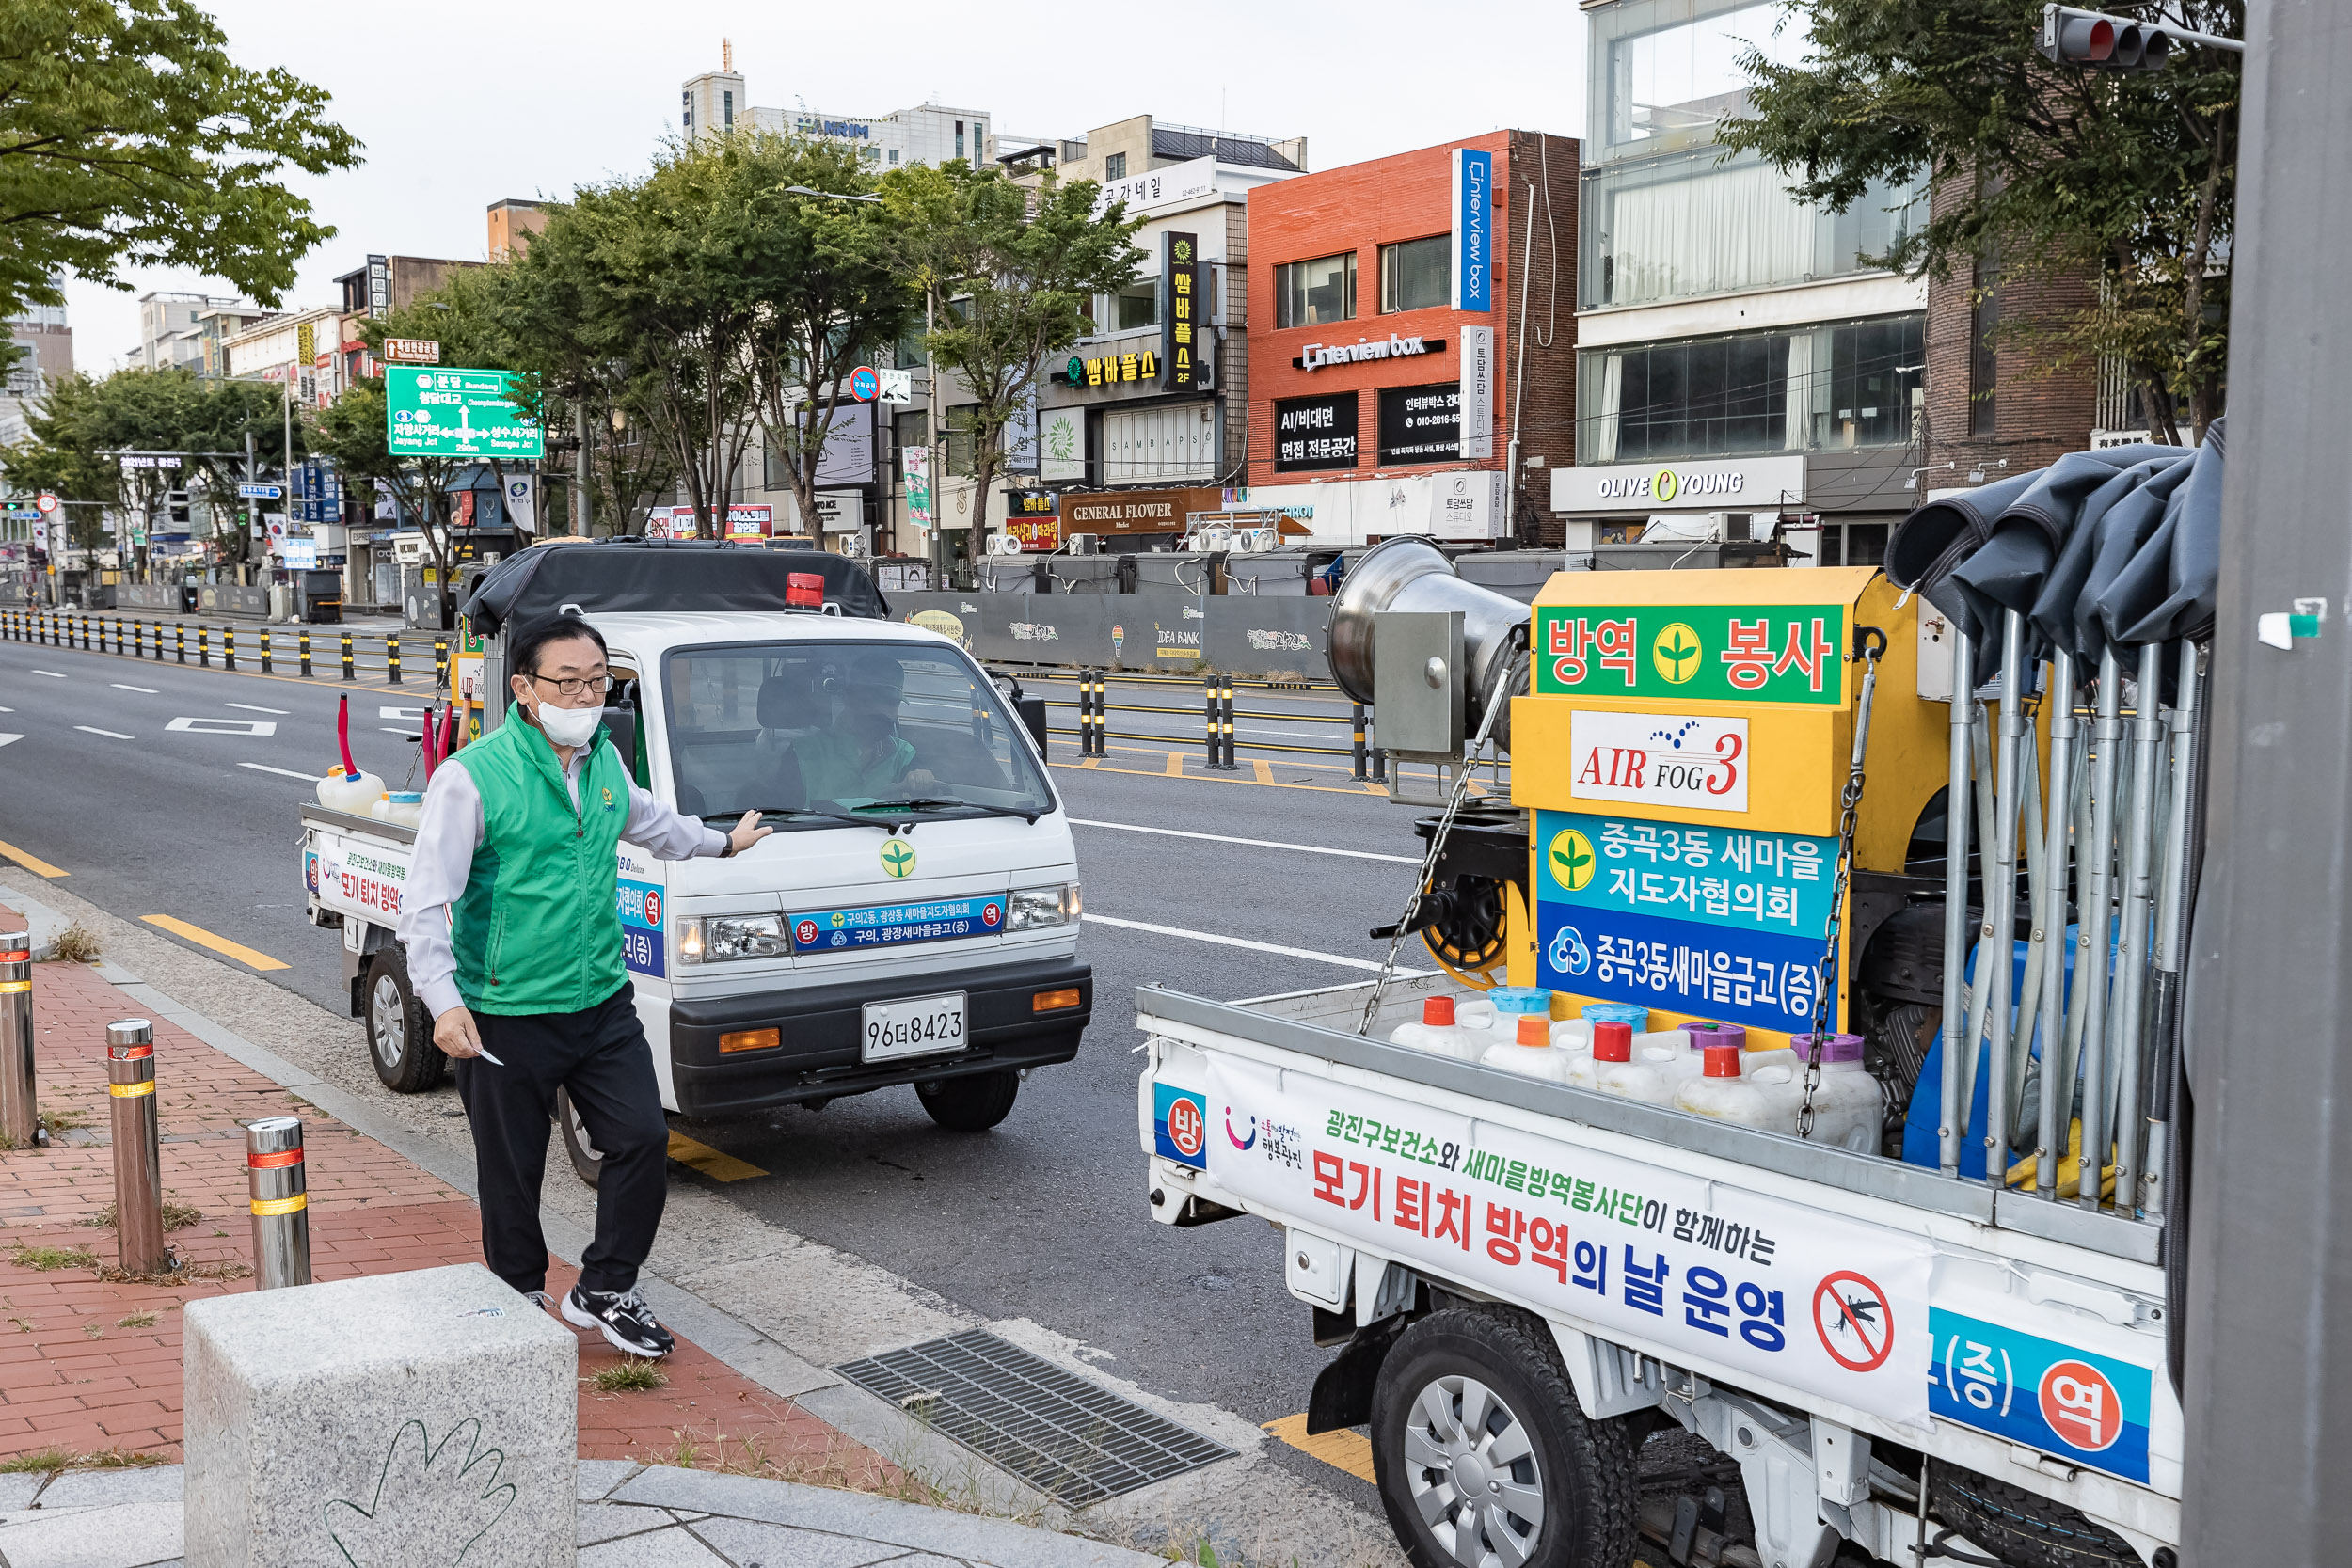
[1704, 1271]
[1061, 446]
[1473, 229]
[1182, 342]
[1695, 653]
[1316, 433]
[1478, 391]
[915, 463]
[1420, 424]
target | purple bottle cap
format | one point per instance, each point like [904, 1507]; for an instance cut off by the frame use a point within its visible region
[1705, 1036]
[1835, 1048]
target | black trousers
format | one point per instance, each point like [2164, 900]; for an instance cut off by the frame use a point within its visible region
[601, 1056]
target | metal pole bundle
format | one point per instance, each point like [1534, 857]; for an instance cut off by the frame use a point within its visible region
[139, 1171]
[1959, 796]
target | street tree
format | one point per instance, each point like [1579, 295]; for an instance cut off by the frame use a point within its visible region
[1008, 276]
[2038, 171]
[831, 294]
[129, 137]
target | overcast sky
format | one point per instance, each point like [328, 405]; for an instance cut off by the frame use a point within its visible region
[461, 105]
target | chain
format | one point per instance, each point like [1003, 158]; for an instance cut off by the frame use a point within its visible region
[1498, 692]
[1869, 643]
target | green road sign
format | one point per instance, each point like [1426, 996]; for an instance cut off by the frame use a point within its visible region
[451, 413]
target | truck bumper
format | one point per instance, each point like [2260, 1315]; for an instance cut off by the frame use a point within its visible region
[821, 1027]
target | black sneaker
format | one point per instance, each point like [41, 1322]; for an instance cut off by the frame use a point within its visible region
[627, 1321]
[540, 1299]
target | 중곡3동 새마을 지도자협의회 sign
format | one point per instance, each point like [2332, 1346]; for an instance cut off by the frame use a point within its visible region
[1703, 652]
[456, 413]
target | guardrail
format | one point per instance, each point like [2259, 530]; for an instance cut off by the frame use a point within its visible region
[350, 654]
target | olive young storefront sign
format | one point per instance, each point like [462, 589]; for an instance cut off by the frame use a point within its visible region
[1752, 484]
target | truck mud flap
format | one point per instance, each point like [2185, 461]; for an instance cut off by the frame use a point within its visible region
[1343, 1391]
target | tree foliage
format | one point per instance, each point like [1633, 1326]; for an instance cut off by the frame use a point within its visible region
[1011, 276]
[128, 136]
[2053, 171]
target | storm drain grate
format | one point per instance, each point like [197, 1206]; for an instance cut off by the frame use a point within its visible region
[1073, 1440]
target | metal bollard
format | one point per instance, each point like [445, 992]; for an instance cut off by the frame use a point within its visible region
[20, 1119]
[1086, 712]
[138, 1172]
[304, 638]
[1210, 686]
[228, 647]
[391, 657]
[265, 669]
[180, 641]
[441, 664]
[1358, 756]
[1229, 763]
[347, 670]
[204, 646]
[118, 634]
[138, 637]
[278, 1192]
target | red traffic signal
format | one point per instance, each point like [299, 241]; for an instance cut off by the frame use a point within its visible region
[2099, 42]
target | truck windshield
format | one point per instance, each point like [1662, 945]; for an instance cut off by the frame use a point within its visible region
[833, 727]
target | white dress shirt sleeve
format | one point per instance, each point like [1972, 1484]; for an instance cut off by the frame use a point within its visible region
[448, 833]
[667, 833]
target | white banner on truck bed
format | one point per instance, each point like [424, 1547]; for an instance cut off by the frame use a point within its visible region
[1787, 1293]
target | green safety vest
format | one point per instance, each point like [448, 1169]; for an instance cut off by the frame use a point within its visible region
[538, 927]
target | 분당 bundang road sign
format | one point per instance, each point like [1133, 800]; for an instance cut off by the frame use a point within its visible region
[456, 413]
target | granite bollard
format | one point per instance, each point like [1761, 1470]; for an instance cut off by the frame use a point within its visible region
[415, 1420]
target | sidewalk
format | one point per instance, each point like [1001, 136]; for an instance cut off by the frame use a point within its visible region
[90, 1392]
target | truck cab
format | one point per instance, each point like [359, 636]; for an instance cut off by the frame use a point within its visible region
[912, 921]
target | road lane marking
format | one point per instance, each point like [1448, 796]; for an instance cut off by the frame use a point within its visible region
[1264, 769]
[281, 772]
[6, 738]
[111, 735]
[1252, 843]
[387, 712]
[1175, 765]
[1345, 1450]
[122, 686]
[249, 707]
[33, 864]
[1092, 918]
[710, 1162]
[204, 937]
[51, 673]
[224, 726]
[389, 730]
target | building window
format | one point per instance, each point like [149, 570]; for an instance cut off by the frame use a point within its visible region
[907, 431]
[688, 117]
[1417, 274]
[1815, 389]
[1137, 308]
[773, 474]
[894, 156]
[1316, 292]
[1984, 364]
[959, 138]
[960, 448]
[1660, 88]
[1115, 166]
[726, 110]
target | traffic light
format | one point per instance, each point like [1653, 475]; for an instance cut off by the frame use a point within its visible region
[2101, 43]
[176, 506]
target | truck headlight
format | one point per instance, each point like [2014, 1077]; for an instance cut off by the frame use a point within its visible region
[1035, 907]
[717, 938]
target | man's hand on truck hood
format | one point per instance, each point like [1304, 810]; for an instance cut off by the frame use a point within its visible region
[746, 833]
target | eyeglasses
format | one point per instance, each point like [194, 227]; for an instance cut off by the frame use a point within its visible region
[598, 684]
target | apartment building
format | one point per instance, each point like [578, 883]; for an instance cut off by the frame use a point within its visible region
[717, 102]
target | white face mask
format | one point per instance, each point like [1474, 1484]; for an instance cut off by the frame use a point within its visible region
[569, 726]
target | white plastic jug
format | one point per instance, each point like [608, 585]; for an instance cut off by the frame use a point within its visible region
[1695, 1038]
[404, 807]
[1573, 1034]
[1438, 1034]
[1612, 1048]
[1531, 1054]
[1847, 1109]
[355, 793]
[1723, 1092]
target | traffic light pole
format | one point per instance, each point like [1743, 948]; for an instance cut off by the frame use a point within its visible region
[2269, 1291]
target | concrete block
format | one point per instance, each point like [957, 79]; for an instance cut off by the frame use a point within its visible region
[132, 1536]
[599, 1476]
[157, 1483]
[415, 1420]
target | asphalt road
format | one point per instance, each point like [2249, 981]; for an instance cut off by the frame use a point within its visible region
[1043, 1218]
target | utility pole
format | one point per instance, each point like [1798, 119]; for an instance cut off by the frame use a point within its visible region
[2268, 1292]
[938, 442]
[579, 470]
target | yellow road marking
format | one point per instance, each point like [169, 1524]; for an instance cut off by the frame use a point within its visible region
[204, 937]
[1264, 768]
[33, 864]
[718, 1166]
[1175, 765]
[1345, 1449]
[1096, 762]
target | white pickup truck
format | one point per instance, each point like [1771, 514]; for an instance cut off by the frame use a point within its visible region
[913, 920]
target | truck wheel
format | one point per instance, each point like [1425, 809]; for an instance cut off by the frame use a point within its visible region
[587, 1159]
[400, 1036]
[2022, 1527]
[1483, 1455]
[972, 1103]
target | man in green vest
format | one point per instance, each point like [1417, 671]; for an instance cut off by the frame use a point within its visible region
[510, 919]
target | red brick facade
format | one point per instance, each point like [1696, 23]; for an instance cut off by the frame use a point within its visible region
[1365, 206]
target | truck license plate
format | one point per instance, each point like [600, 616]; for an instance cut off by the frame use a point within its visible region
[918, 1026]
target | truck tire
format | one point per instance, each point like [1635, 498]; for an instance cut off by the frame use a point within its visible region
[586, 1158]
[972, 1103]
[400, 1036]
[2020, 1527]
[1475, 1429]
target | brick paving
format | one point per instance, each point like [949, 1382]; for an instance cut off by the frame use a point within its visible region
[92, 1366]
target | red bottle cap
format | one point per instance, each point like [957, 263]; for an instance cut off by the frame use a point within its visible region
[1534, 1031]
[1437, 1010]
[1723, 1061]
[1612, 1042]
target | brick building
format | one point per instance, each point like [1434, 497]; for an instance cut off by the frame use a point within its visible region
[1390, 329]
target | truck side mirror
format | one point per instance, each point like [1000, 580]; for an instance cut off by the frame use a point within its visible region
[620, 719]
